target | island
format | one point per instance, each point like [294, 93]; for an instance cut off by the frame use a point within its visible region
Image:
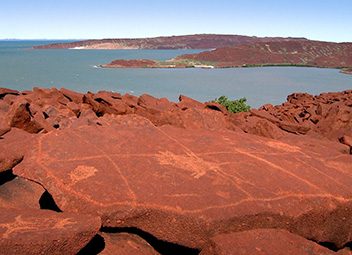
[197, 41]
[276, 53]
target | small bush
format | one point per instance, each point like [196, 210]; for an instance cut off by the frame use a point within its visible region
[239, 105]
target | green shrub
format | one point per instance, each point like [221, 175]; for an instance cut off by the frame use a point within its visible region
[239, 105]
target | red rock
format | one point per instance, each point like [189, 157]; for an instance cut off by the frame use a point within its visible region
[20, 193]
[104, 104]
[256, 126]
[346, 140]
[5, 91]
[263, 242]
[160, 118]
[194, 118]
[289, 127]
[42, 97]
[266, 107]
[217, 107]
[126, 244]
[150, 102]
[345, 251]
[27, 231]
[187, 102]
[4, 106]
[9, 98]
[72, 95]
[9, 159]
[74, 108]
[112, 103]
[4, 126]
[338, 122]
[108, 94]
[199, 182]
[130, 100]
[13, 147]
[131, 63]
[20, 117]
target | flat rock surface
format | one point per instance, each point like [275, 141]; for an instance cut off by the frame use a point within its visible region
[263, 242]
[35, 232]
[126, 244]
[184, 186]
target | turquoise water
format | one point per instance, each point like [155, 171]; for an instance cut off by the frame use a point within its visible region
[23, 68]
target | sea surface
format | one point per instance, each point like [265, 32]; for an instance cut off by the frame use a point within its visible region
[23, 68]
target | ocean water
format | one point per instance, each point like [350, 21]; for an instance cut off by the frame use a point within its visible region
[22, 68]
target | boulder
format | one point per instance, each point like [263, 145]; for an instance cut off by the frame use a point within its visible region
[4, 126]
[195, 118]
[130, 100]
[13, 147]
[32, 232]
[263, 242]
[199, 182]
[126, 244]
[5, 91]
[72, 96]
[19, 116]
[255, 125]
[187, 102]
[347, 140]
[217, 107]
[16, 192]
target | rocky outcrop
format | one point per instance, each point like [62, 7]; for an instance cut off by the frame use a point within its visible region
[186, 176]
[204, 181]
[133, 63]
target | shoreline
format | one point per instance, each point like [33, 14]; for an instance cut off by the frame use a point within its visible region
[164, 65]
[347, 71]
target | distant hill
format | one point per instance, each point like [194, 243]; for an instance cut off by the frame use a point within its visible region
[294, 52]
[201, 41]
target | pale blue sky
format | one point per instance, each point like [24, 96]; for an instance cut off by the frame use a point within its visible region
[329, 20]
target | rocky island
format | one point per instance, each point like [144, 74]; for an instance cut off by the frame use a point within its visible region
[105, 173]
[275, 53]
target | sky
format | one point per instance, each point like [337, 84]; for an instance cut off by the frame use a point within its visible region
[328, 20]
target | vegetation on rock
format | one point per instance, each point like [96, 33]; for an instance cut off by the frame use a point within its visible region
[238, 105]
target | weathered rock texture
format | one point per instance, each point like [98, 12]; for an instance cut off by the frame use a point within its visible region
[188, 173]
[26, 231]
[263, 242]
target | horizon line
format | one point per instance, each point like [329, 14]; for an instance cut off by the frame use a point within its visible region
[147, 37]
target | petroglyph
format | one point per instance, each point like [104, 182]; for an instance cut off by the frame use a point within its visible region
[188, 162]
[82, 172]
[64, 223]
[18, 225]
[283, 146]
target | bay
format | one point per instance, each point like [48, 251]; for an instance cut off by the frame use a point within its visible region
[23, 68]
